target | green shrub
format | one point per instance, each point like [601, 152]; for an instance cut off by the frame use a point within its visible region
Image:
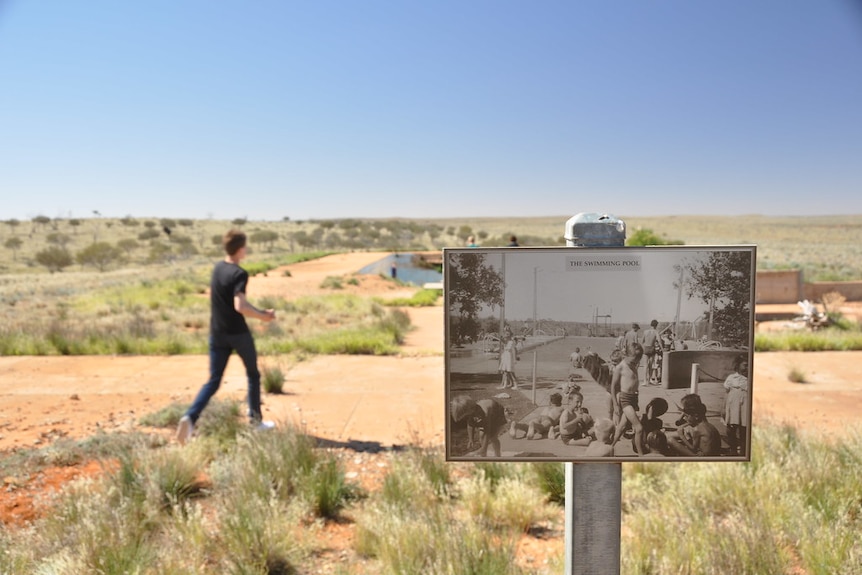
[256, 535]
[272, 379]
[829, 339]
[552, 481]
[422, 298]
[796, 375]
[772, 515]
[332, 282]
[512, 503]
[286, 464]
[257, 268]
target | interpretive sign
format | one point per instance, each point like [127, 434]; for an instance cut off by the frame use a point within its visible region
[599, 354]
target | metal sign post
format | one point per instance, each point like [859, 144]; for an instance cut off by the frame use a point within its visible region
[593, 490]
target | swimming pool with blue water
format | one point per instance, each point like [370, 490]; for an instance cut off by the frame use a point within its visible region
[406, 268]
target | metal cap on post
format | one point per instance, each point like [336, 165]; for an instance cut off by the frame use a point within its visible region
[593, 490]
[595, 231]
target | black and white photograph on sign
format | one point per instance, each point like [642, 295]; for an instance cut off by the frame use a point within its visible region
[592, 354]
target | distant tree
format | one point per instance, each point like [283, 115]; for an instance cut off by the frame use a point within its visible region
[149, 224]
[159, 253]
[129, 221]
[264, 237]
[168, 223]
[332, 240]
[54, 258]
[186, 223]
[473, 285]
[482, 235]
[149, 234]
[99, 255]
[285, 219]
[75, 223]
[41, 221]
[647, 237]
[13, 223]
[353, 232]
[304, 239]
[239, 222]
[317, 235]
[58, 239]
[464, 232]
[433, 231]
[95, 224]
[184, 246]
[14, 243]
[217, 240]
[128, 245]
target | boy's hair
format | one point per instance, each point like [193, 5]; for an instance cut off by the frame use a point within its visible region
[657, 441]
[603, 429]
[556, 399]
[233, 241]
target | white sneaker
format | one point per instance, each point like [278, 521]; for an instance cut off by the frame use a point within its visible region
[185, 430]
[264, 426]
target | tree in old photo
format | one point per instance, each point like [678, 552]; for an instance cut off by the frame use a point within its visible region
[473, 285]
[723, 282]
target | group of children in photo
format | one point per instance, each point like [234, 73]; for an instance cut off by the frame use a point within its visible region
[566, 418]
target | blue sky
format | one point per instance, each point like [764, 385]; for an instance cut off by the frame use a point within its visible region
[368, 108]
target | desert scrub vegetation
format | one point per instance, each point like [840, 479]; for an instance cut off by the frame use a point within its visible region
[255, 503]
[422, 298]
[335, 324]
[796, 375]
[272, 378]
[828, 339]
[151, 311]
[794, 509]
[825, 248]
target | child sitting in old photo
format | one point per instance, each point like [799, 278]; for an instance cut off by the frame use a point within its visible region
[543, 423]
[697, 437]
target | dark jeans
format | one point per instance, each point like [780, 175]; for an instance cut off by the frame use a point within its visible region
[221, 346]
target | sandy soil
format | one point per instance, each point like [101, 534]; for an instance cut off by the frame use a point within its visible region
[374, 400]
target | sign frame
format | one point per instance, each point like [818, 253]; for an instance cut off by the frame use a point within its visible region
[548, 301]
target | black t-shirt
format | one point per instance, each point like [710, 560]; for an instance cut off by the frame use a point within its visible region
[228, 280]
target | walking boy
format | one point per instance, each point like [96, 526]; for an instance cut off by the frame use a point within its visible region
[229, 332]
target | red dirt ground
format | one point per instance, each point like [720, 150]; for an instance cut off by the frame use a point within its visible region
[385, 400]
